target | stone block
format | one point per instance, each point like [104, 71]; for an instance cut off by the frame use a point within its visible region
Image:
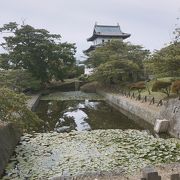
[161, 125]
[153, 176]
[149, 173]
[175, 177]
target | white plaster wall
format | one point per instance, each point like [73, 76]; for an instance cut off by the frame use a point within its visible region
[99, 40]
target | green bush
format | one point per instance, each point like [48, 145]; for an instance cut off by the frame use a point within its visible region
[162, 86]
[13, 108]
[90, 87]
[139, 86]
[83, 77]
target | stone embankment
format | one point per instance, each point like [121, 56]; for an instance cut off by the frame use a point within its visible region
[145, 114]
[171, 112]
[10, 135]
[135, 110]
[33, 101]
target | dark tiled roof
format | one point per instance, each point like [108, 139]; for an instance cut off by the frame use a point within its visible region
[107, 31]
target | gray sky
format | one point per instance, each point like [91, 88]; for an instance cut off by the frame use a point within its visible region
[150, 22]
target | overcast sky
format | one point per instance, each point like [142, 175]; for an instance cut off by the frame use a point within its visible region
[150, 22]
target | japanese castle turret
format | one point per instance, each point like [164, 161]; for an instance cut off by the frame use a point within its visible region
[105, 33]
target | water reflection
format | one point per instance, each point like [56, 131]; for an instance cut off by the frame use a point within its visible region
[81, 115]
[79, 118]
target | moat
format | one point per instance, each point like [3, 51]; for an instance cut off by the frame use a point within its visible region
[81, 116]
[99, 139]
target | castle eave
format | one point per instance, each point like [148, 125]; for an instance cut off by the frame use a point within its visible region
[121, 36]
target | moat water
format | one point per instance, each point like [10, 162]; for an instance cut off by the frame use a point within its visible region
[81, 116]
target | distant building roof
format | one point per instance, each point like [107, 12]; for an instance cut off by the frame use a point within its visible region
[107, 31]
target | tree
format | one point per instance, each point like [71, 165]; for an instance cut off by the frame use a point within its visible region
[176, 31]
[113, 72]
[38, 51]
[14, 109]
[117, 61]
[162, 86]
[18, 80]
[118, 50]
[75, 71]
[165, 62]
[4, 61]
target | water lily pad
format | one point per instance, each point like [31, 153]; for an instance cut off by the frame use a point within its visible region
[81, 152]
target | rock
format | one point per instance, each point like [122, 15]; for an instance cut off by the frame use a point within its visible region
[161, 125]
[171, 111]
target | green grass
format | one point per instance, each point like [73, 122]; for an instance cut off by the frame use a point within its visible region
[157, 95]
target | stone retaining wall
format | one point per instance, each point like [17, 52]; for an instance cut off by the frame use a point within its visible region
[145, 114]
[171, 112]
[9, 137]
[137, 111]
[33, 101]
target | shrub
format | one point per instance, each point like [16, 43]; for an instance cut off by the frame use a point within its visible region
[83, 77]
[90, 87]
[176, 87]
[13, 108]
[162, 86]
[139, 86]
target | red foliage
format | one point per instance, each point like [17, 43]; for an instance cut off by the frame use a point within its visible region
[176, 87]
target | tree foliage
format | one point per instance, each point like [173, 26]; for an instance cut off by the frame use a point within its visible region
[38, 51]
[75, 71]
[162, 86]
[117, 50]
[4, 62]
[117, 61]
[165, 62]
[113, 72]
[13, 108]
[176, 31]
[18, 80]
